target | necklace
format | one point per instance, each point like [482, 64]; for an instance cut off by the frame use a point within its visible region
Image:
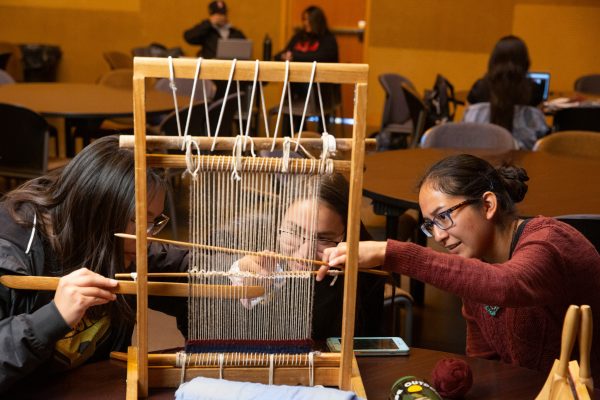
[493, 310]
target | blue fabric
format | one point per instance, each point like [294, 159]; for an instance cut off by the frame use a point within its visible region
[220, 389]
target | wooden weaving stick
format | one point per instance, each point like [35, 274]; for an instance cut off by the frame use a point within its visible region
[232, 251]
[154, 288]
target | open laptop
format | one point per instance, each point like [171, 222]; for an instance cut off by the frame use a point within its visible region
[543, 80]
[228, 49]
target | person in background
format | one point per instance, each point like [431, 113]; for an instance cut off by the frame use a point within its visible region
[516, 277]
[507, 69]
[506, 96]
[208, 32]
[63, 225]
[314, 42]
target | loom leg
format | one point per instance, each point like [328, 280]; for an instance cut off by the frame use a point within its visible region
[132, 374]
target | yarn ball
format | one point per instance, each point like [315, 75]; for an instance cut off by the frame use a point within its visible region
[452, 378]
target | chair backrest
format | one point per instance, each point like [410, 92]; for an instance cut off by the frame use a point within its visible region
[417, 111]
[468, 135]
[5, 78]
[198, 120]
[118, 59]
[185, 86]
[577, 119]
[24, 149]
[587, 224]
[395, 109]
[571, 143]
[588, 84]
[120, 78]
[14, 63]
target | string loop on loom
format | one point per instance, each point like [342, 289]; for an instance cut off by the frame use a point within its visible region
[306, 102]
[231, 71]
[281, 101]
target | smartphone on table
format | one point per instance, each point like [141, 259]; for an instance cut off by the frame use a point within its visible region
[372, 346]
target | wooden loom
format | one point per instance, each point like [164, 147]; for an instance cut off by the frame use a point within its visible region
[329, 369]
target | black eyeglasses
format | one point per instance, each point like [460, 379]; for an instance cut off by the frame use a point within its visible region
[154, 227]
[443, 220]
[293, 240]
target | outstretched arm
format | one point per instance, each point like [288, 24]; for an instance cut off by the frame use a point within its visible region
[370, 254]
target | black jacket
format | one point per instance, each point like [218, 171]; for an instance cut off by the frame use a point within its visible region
[206, 35]
[30, 324]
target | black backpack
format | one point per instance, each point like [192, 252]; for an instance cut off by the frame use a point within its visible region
[440, 102]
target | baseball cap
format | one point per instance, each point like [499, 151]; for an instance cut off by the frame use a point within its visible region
[217, 7]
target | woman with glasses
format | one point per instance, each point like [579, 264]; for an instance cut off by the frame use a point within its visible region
[516, 277]
[330, 230]
[63, 224]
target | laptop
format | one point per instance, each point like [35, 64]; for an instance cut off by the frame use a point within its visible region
[228, 49]
[543, 80]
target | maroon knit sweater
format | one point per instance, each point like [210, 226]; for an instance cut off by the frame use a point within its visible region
[552, 266]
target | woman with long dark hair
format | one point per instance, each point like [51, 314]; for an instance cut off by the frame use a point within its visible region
[63, 225]
[503, 95]
[314, 42]
[516, 277]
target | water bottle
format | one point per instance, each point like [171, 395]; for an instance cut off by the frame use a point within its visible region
[267, 48]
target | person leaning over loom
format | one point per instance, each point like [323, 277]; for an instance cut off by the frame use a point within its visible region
[63, 224]
[516, 277]
[330, 230]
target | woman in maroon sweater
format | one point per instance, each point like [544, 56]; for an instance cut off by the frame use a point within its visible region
[516, 277]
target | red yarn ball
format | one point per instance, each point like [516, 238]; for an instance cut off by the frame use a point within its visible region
[452, 378]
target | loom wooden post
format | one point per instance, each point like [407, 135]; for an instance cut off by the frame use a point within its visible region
[141, 225]
[132, 374]
[353, 229]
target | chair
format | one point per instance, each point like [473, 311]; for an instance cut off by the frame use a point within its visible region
[119, 78]
[5, 78]
[587, 224]
[580, 144]
[118, 59]
[168, 126]
[13, 64]
[332, 102]
[396, 123]
[417, 111]
[588, 84]
[468, 135]
[394, 296]
[185, 86]
[24, 150]
[577, 119]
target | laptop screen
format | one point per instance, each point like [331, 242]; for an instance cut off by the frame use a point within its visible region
[228, 49]
[543, 80]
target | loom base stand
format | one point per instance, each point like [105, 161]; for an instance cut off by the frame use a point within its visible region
[166, 376]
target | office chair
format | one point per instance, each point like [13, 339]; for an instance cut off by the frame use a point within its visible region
[396, 124]
[24, 150]
[586, 118]
[588, 84]
[418, 113]
[468, 135]
[581, 144]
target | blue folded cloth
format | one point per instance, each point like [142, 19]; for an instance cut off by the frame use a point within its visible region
[220, 389]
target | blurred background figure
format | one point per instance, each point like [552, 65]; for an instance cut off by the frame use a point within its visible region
[208, 32]
[506, 96]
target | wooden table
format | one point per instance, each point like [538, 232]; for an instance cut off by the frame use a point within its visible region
[491, 379]
[83, 104]
[558, 185]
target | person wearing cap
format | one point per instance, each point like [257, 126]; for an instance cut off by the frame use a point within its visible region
[208, 32]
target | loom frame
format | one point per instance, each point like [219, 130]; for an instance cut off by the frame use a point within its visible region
[140, 376]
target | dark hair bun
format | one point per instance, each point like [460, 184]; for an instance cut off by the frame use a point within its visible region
[514, 178]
